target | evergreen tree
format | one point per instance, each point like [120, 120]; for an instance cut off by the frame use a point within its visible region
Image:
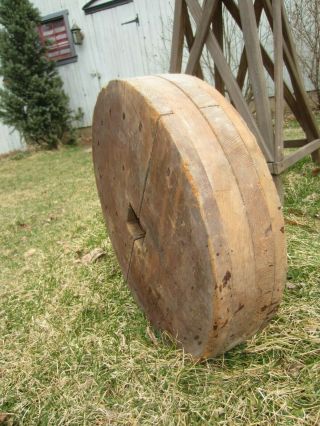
[32, 99]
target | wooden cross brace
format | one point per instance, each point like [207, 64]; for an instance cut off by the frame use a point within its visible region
[254, 61]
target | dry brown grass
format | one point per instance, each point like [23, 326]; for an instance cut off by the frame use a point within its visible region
[75, 349]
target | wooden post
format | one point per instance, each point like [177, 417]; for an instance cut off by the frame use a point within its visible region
[230, 82]
[316, 154]
[243, 67]
[256, 71]
[278, 86]
[208, 21]
[190, 41]
[201, 35]
[177, 37]
[217, 27]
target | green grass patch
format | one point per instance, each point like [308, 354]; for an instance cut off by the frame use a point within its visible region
[75, 348]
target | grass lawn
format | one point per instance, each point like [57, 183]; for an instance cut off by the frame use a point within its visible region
[76, 350]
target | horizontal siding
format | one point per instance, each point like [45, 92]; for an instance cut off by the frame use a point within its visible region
[111, 50]
[9, 140]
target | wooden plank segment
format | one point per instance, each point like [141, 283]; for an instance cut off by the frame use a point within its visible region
[288, 96]
[243, 66]
[278, 91]
[230, 82]
[300, 153]
[190, 41]
[203, 26]
[195, 137]
[278, 79]
[256, 71]
[271, 197]
[292, 49]
[295, 143]
[253, 197]
[119, 107]
[296, 108]
[310, 125]
[177, 37]
[217, 28]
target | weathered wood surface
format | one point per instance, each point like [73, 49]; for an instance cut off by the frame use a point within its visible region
[191, 209]
[256, 70]
[208, 19]
[279, 92]
[229, 79]
[209, 9]
[217, 28]
[179, 24]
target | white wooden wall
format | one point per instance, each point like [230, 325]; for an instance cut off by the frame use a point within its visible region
[110, 50]
[9, 140]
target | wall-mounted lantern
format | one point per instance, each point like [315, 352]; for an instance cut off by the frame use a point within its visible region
[77, 34]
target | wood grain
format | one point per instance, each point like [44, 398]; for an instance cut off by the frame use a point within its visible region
[206, 261]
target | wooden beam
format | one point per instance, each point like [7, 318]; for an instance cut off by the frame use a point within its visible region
[190, 40]
[229, 80]
[203, 27]
[269, 65]
[217, 28]
[291, 46]
[256, 71]
[295, 143]
[310, 125]
[278, 91]
[297, 155]
[297, 108]
[242, 70]
[177, 37]
[288, 96]
[243, 67]
[278, 79]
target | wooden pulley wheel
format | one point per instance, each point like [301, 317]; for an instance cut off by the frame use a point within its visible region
[191, 210]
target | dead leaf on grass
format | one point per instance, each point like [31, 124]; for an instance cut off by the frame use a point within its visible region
[6, 419]
[23, 225]
[312, 197]
[152, 336]
[316, 172]
[219, 411]
[30, 252]
[51, 219]
[291, 222]
[93, 256]
[291, 286]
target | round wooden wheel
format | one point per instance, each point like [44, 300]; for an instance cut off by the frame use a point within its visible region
[191, 209]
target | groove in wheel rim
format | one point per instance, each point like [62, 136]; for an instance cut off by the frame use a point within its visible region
[191, 210]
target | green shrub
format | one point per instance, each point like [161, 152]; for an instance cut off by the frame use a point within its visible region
[32, 99]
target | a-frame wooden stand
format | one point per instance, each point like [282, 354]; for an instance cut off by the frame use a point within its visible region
[254, 60]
